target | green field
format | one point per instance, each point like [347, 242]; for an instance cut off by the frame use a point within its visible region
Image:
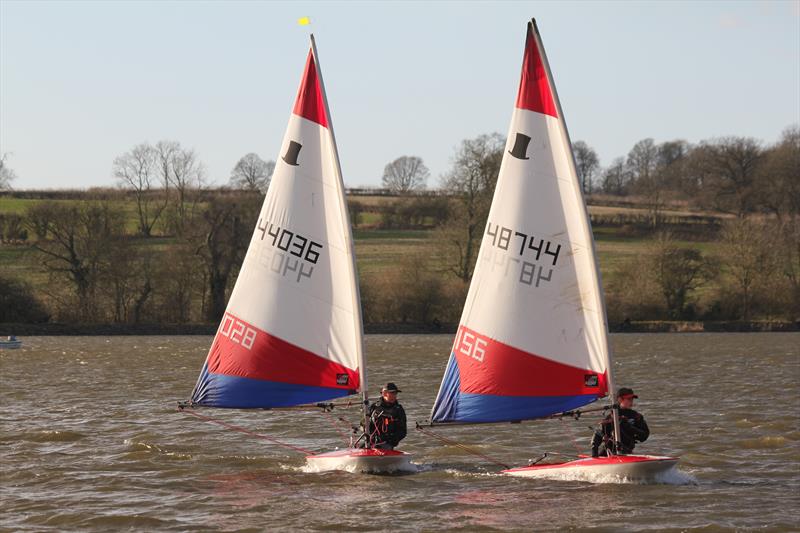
[377, 249]
[380, 252]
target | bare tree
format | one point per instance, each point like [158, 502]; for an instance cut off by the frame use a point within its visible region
[778, 180]
[185, 173]
[616, 178]
[7, 175]
[471, 183]
[726, 171]
[405, 174]
[128, 280]
[177, 278]
[224, 230]
[671, 165]
[587, 164]
[81, 237]
[137, 170]
[789, 261]
[647, 180]
[12, 228]
[679, 271]
[642, 159]
[252, 173]
[750, 251]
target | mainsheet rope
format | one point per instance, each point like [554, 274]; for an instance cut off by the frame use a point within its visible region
[337, 423]
[247, 432]
[458, 444]
[572, 437]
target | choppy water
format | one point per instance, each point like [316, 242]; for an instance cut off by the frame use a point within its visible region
[90, 440]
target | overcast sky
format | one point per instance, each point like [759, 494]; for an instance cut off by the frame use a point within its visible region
[83, 82]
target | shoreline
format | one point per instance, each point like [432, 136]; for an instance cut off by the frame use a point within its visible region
[651, 326]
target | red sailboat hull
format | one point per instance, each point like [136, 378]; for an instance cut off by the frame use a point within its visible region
[623, 467]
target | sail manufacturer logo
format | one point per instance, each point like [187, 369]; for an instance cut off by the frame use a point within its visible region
[292, 253]
[470, 344]
[237, 331]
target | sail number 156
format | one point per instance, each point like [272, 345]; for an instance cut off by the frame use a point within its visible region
[469, 344]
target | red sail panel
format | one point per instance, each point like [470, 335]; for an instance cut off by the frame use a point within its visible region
[241, 349]
[534, 87]
[310, 103]
[487, 366]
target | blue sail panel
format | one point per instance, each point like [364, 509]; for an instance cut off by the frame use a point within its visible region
[220, 390]
[453, 404]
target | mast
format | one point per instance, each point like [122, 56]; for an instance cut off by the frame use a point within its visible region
[348, 231]
[587, 227]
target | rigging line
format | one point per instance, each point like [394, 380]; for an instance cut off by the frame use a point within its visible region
[458, 444]
[545, 455]
[335, 422]
[572, 437]
[246, 431]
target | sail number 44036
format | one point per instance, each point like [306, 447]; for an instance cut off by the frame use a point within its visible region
[237, 331]
[470, 344]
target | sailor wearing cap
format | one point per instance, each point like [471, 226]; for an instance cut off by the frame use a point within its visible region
[387, 420]
[632, 427]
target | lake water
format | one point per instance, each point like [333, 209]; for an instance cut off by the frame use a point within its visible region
[90, 439]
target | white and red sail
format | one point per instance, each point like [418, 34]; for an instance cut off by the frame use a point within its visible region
[532, 340]
[292, 331]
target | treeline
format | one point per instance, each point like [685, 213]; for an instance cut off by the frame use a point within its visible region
[164, 248]
[735, 175]
[96, 270]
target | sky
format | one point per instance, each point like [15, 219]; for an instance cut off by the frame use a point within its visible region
[83, 82]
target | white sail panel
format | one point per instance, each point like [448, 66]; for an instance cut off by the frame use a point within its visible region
[534, 286]
[316, 300]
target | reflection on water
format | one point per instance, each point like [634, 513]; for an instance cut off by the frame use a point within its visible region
[91, 440]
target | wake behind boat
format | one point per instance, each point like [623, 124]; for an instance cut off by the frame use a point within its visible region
[533, 337]
[292, 331]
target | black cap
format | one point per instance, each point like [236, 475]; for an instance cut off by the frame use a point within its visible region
[625, 391]
[390, 387]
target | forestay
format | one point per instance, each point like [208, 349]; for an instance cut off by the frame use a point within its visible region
[292, 331]
[532, 339]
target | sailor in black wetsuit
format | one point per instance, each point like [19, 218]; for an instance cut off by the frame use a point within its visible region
[387, 420]
[632, 428]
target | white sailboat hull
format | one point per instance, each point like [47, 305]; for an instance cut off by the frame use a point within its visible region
[361, 460]
[640, 468]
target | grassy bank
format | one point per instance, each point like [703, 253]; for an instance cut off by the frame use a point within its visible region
[623, 233]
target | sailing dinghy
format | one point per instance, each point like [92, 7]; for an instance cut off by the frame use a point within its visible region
[533, 339]
[292, 332]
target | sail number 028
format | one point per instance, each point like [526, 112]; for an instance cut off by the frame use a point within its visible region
[237, 331]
